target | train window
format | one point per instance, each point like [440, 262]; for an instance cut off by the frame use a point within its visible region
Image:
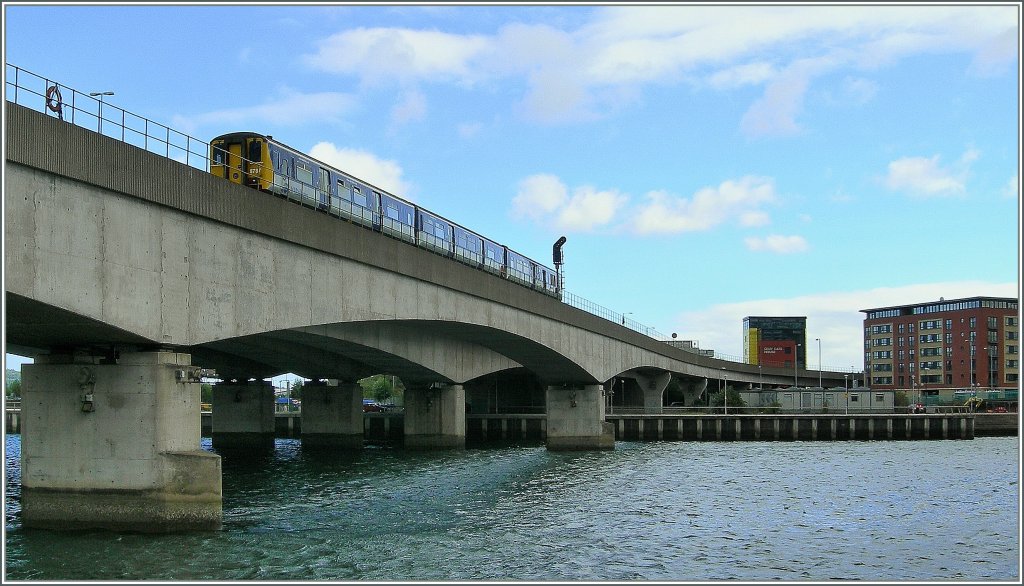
[441, 231]
[343, 191]
[392, 211]
[358, 197]
[303, 173]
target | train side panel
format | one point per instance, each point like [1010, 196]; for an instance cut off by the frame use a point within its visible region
[398, 218]
[433, 232]
[469, 247]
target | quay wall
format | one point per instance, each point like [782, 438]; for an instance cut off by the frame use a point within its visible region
[388, 427]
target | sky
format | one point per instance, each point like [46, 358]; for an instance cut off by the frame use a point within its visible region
[705, 162]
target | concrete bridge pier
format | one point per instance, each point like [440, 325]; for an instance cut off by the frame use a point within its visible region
[576, 419]
[243, 415]
[653, 388]
[114, 444]
[332, 415]
[435, 417]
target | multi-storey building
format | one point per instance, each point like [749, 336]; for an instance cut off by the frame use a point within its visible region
[775, 341]
[940, 347]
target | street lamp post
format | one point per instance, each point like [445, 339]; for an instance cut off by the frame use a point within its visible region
[846, 385]
[100, 95]
[820, 386]
[725, 391]
[819, 362]
[796, 355]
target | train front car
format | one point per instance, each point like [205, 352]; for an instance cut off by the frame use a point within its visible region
[242, 158]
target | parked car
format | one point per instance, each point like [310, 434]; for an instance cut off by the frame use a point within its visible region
[371, 406]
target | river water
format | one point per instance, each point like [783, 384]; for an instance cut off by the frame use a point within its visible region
[666, 511]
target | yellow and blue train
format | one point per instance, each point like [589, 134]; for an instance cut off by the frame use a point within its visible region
[261, 162]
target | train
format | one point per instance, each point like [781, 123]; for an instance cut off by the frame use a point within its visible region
[260, 162]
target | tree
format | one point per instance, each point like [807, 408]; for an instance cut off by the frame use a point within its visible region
[382, 388]
[296, 390]
[206, 393]
[735, 400]
[900, 399]
[14, 389]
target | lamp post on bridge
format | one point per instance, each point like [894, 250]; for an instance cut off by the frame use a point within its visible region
[100, 96]
[820, 386]
[846, 385]
[725, 391]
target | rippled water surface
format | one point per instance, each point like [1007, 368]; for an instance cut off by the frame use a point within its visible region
[678, 511]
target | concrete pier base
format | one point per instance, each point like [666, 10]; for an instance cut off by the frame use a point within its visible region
[576, 419]
[243, 416]
[116, 445]
[332, 416]
[435, 417]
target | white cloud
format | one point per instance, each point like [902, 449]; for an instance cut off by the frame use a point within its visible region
[384, 54]
[833, 317]
[663, 213]
[291, 108]
[469, 129]
[572, 75]
[1012, 188]
[539, 196]
[859, 90]
[923, 176]
[589, 208]
[366, 166]
[412, 107]
[777, 244]
[546, 198]
[754, 218]
[742, 75]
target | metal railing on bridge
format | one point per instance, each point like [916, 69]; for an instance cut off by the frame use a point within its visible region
[90, 112]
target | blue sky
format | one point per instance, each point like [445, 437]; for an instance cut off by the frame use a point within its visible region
[705, 163]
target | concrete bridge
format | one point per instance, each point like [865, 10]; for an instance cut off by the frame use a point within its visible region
[129, 274]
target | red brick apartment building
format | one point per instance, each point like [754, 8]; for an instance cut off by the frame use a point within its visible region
[939, 347]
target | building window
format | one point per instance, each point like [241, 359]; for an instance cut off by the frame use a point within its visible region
[879, 397]
[1011, 377]
[856, 397]
[1011, 321]
[1010, 335]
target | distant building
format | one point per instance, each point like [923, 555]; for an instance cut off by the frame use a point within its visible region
[690, 346]
[938, 347]
[775, 341]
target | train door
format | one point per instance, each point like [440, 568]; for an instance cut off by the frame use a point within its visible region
[226, 160]
[324, 189]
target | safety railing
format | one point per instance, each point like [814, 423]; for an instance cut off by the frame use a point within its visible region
[91, 112]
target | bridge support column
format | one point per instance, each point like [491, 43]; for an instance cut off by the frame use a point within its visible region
[116, 445]
[332, 416]
[653, 388]
[243, 415]
[435, 417]
[576, 419]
